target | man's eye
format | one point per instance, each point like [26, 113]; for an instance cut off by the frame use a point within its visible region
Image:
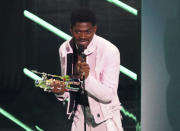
[77, 32]
[89, 32]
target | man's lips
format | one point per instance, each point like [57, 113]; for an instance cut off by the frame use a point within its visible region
[83, 41]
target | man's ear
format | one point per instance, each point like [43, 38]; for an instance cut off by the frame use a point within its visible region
[95, 28]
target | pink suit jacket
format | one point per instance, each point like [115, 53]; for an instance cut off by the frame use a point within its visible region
[102, 82]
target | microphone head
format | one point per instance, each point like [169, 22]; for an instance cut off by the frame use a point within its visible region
[81, 48]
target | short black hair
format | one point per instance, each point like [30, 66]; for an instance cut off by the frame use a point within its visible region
[83, 15]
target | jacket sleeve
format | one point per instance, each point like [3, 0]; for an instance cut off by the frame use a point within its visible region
[64, 96]
[105, 88]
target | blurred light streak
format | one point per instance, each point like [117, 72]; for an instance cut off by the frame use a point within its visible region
[128, 72]
[15, 120]
[124, 6]
[46, 25]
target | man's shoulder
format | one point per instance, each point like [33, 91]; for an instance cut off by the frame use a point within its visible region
[64, 45]
[102, 39]
[106, 45]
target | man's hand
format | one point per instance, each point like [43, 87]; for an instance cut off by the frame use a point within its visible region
[83, 69]
[58, 86]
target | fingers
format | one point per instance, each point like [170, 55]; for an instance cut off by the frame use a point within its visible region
[83, 69]
[83, 66]
[58, 86]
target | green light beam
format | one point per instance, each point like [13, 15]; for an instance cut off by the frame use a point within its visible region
[31, 74]
[130, 115]
[138, 126]
[12, 118]
[66, 37]
[38, 128]
[128, 72]
[124, 6]
[46, 25]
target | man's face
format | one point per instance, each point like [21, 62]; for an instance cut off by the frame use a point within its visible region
[83, 33]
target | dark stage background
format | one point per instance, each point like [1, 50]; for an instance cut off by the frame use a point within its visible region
[26, 44]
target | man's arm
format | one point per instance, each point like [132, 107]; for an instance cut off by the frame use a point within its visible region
[105, 88]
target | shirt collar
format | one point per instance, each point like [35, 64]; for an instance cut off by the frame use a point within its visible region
[91, 47]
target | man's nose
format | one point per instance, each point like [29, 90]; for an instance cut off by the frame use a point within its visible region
[83, 35]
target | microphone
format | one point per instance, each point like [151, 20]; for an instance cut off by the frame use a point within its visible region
[81, 49]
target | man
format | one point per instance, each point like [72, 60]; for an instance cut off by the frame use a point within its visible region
[95, 60]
